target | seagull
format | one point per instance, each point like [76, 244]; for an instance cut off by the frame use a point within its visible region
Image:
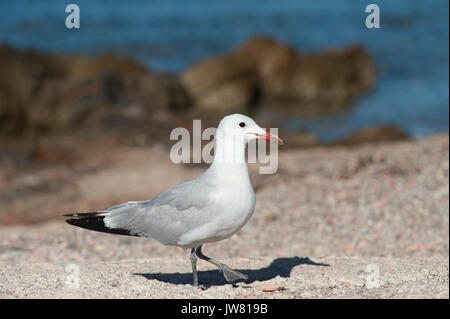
[209, 208]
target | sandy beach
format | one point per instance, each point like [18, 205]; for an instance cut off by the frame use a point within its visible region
[327, 214]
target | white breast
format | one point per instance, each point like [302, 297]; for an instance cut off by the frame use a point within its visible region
[233, 204]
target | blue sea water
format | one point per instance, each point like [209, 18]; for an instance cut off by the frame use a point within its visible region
[411, 48]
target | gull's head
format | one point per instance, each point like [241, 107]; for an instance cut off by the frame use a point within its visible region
[242, 128]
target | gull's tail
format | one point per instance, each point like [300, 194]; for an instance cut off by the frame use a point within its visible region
[94, 221]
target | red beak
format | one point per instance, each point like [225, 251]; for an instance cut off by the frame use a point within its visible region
[270, 137]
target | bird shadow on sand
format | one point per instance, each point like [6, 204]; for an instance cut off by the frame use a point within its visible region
[278, 267]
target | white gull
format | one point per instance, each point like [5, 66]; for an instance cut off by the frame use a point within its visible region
[206, 209]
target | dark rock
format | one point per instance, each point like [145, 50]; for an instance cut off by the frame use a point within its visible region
[43, 92]
[265, 73]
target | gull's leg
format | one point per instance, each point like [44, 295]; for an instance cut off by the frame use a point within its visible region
[228, 273]
[194, 266]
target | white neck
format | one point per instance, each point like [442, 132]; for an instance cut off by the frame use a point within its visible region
[229, 154]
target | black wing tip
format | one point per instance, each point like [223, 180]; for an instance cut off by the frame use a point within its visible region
[74, 222]
[96, 223]
[89, 222]
[70, 220]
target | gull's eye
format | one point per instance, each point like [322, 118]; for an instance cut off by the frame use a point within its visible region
[242, 124]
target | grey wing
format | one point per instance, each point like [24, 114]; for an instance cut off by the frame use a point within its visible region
[166, 217]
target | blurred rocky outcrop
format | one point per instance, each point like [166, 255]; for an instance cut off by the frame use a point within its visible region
[43, 92]
[268, 74]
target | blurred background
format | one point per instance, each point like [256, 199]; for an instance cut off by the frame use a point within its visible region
[136, 69]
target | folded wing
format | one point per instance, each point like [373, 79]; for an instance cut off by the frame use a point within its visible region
[165, 218]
